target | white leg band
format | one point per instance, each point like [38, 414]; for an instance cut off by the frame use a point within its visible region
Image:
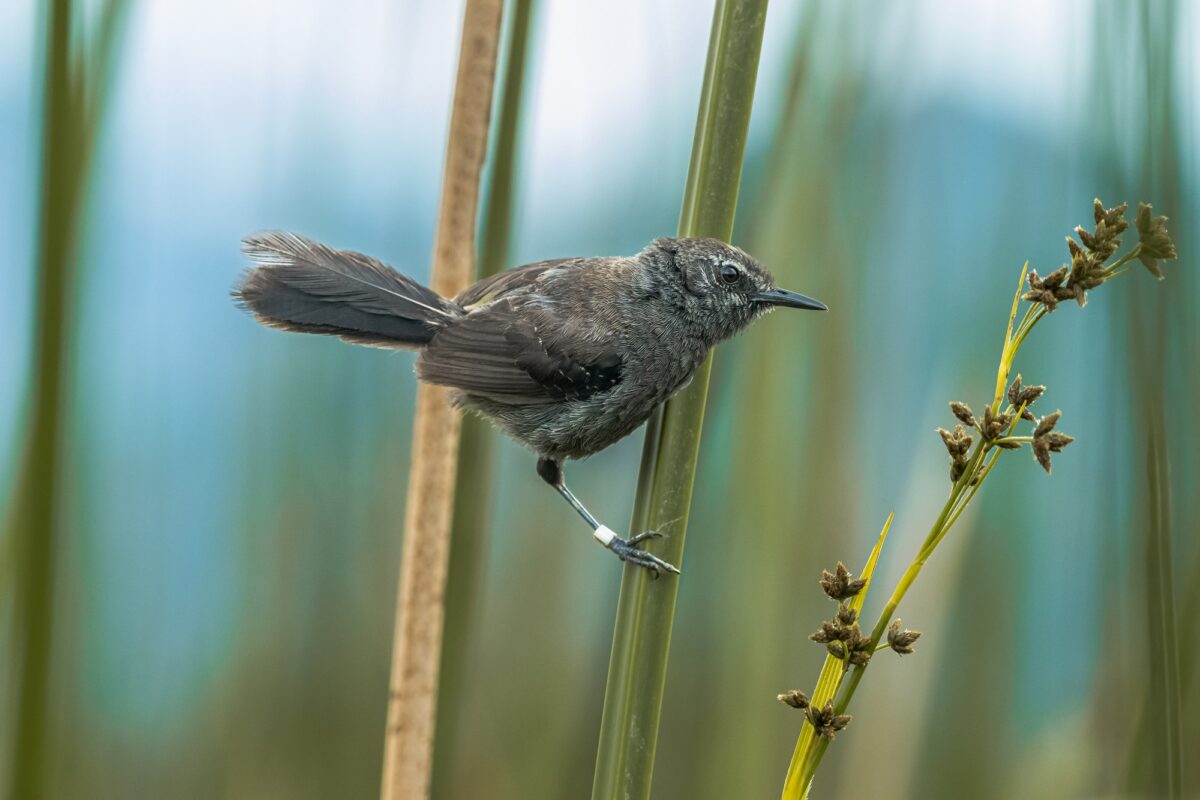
[604, 535]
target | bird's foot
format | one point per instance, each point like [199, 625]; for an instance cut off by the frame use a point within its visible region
[627, 550]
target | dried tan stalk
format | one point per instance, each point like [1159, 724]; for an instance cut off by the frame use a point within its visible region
[416, 649]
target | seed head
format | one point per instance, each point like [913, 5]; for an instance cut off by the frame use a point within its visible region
[829, 632]
[843, 638]
[963, 412]
[825, 722]
[1047, 423]
[795, 698]
[1104, 240]
[1046, 440]
[1026, 396]
[1156, 241]
[860, 649]
[958, 444]
[1086, 270]
[840, 585]
[1045, 290]
[1112, 217]
[995, 425]
[901, 639]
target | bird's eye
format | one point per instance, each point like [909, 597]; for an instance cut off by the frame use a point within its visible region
[729, 274]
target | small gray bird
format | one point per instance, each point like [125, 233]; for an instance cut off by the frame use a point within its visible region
[567, 356]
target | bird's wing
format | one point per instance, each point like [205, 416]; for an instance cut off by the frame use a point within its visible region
[513, 358]
[502, 283]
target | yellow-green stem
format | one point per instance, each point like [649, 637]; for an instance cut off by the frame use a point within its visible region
[936, 533]
[832, 673]
[961, 494]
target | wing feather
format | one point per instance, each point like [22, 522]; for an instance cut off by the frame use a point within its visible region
[510, 280]
[501, 354]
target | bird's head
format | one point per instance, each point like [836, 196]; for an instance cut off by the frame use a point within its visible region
[729, 289]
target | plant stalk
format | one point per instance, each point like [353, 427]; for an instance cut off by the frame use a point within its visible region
[848, 686]
[645, 610]
[472, 507]
[417, 642]
[74, 101]
[33, 523]
[961, 494]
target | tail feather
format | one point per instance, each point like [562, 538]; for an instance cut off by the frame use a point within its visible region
[301, 285]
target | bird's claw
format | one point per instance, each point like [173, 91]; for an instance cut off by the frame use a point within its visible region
[643, 536]
[627, 550]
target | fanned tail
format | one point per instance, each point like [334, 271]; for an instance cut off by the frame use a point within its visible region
[301, 285]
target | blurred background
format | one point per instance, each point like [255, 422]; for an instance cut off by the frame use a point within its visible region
[213, 579]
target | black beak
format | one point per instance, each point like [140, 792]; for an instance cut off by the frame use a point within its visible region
[782, 297]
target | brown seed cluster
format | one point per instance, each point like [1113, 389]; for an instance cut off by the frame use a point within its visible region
[963, 412]
[996, 429]
[825, 721]
[843, 638]
[1022, 397]
[840, 585]
[1046, 440]
[1086, 270]
[1094, 248]
[794, 698]
[1156, 244]
[958, 445]
[1048, 290]
[996, 425]
[901, 639]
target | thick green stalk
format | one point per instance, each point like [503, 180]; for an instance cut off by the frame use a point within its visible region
[645, 610]
[472, 505]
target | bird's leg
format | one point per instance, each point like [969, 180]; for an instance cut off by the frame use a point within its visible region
[626, 549]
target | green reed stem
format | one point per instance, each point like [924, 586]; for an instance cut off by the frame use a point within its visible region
[34, 523]
[1162, 632]
[645, 610]
[72, 107]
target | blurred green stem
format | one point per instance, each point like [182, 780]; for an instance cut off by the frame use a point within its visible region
[72, 104]
[33, 523]
[1161, 629]
[472, 505]
[645, 610]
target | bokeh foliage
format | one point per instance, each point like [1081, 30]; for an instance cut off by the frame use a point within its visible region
[226, 544]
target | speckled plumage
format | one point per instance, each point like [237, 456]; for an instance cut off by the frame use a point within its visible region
[566, 356]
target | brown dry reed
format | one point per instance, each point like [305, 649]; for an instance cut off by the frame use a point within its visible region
[417, 642]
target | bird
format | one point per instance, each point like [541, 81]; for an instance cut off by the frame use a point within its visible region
[566, 356]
